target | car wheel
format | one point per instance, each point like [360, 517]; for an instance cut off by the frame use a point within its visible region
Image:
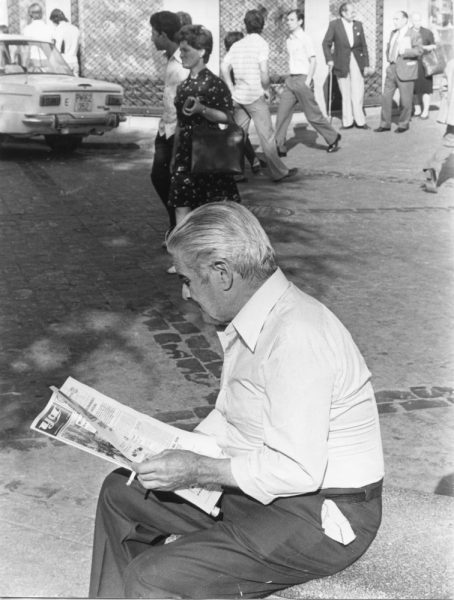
[63, 144]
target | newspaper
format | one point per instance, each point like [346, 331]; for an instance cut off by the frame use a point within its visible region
[80, 416]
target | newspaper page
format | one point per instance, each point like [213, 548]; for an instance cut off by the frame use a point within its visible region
[82, 417]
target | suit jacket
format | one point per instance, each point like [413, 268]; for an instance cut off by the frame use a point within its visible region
[407, 63]
[337, 35]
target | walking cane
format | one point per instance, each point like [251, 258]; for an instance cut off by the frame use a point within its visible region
[330, 97]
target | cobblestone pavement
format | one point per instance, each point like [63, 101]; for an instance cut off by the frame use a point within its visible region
[85, 293]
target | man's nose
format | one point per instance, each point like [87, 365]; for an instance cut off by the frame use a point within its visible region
[185, 292]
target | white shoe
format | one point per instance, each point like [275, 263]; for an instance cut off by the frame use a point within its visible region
[171, 270]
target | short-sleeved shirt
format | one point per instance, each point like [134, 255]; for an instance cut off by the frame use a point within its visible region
[300, 49]
[244, 57]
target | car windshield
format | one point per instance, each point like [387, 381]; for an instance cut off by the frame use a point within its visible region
[28, 56]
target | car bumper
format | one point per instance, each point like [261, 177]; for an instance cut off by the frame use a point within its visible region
[69, 123]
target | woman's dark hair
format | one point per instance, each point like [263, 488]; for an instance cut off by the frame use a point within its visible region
[231, 37]
[166, 22]
[198, 37]
[254, 21]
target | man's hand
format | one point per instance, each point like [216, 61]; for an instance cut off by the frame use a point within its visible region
[169, 470]
[330, 64]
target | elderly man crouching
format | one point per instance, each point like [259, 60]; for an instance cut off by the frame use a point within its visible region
[296, 417]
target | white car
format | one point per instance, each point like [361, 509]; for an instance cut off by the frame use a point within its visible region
[40, 96]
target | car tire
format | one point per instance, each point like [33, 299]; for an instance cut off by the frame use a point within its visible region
[63, 144]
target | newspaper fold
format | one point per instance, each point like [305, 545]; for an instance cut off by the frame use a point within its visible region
[80, 416]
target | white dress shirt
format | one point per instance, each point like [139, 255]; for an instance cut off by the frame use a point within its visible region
[296, 411]
[244, 57]
[300, 49]
[174, 75]
[348, 26]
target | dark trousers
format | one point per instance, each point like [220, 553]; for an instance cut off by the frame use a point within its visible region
[251, 551]
[160, 172]
[392, 83]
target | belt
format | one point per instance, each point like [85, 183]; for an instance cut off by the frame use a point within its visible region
[297, 74]
[363, 494]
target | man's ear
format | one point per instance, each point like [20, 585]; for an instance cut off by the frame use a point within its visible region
[224, 274]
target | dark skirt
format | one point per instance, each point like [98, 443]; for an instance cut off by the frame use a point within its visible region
[423, 85]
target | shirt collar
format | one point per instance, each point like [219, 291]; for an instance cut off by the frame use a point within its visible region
[347, 23]
[176, 56]
[298, 33]
[249, 322]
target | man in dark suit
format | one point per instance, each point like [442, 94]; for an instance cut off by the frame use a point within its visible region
[349, 62]
[404, 48]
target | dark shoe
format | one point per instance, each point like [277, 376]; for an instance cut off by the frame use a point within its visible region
[401, 129]
[281, 153]
[430, 184]
[380, 129]
[335, 145]
[291, 173]
[256, 167]
[348, 126]
[362, 126]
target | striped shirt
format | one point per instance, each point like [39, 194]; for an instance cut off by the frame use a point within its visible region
[244, 57]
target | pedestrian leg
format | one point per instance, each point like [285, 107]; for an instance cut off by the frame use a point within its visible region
[287, 103]
[312, 110]
[260, 114]
[345, 90]
[160, 172]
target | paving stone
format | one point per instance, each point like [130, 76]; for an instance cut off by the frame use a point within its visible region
[387, 408]
[417, 404]
[186, 327]
[166, 338]
[206, 355]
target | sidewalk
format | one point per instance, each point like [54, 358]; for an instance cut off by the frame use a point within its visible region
[87, 295]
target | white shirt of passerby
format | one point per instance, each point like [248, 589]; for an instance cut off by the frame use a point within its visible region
[300, 49]
[244, 57]
[67, 41]
[39, 30]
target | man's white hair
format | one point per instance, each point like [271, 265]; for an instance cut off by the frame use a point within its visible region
[224, 231]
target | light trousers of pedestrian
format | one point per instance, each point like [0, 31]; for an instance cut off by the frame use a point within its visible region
[251, 552]
[259, 112]
[295, 91]
[392, 83]
[352, 91]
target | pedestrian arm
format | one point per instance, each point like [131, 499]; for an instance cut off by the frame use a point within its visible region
[210, 114]
[327, 44]
[311, 72]
[416, 49]
[264, 75]
[226, 73]
[364, 49]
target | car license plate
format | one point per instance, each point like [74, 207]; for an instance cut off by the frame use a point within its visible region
[84, 102]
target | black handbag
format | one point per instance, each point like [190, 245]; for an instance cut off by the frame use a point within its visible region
[217, 150]
[433, 62]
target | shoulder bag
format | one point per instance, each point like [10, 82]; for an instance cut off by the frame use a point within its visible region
[433, 62]
[218, 149]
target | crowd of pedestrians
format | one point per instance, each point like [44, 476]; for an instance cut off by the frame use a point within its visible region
[243, 91]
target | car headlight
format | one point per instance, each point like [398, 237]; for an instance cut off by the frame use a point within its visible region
[114, 100]
[50, 100]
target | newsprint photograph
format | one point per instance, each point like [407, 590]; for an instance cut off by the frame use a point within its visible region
[227, 299]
